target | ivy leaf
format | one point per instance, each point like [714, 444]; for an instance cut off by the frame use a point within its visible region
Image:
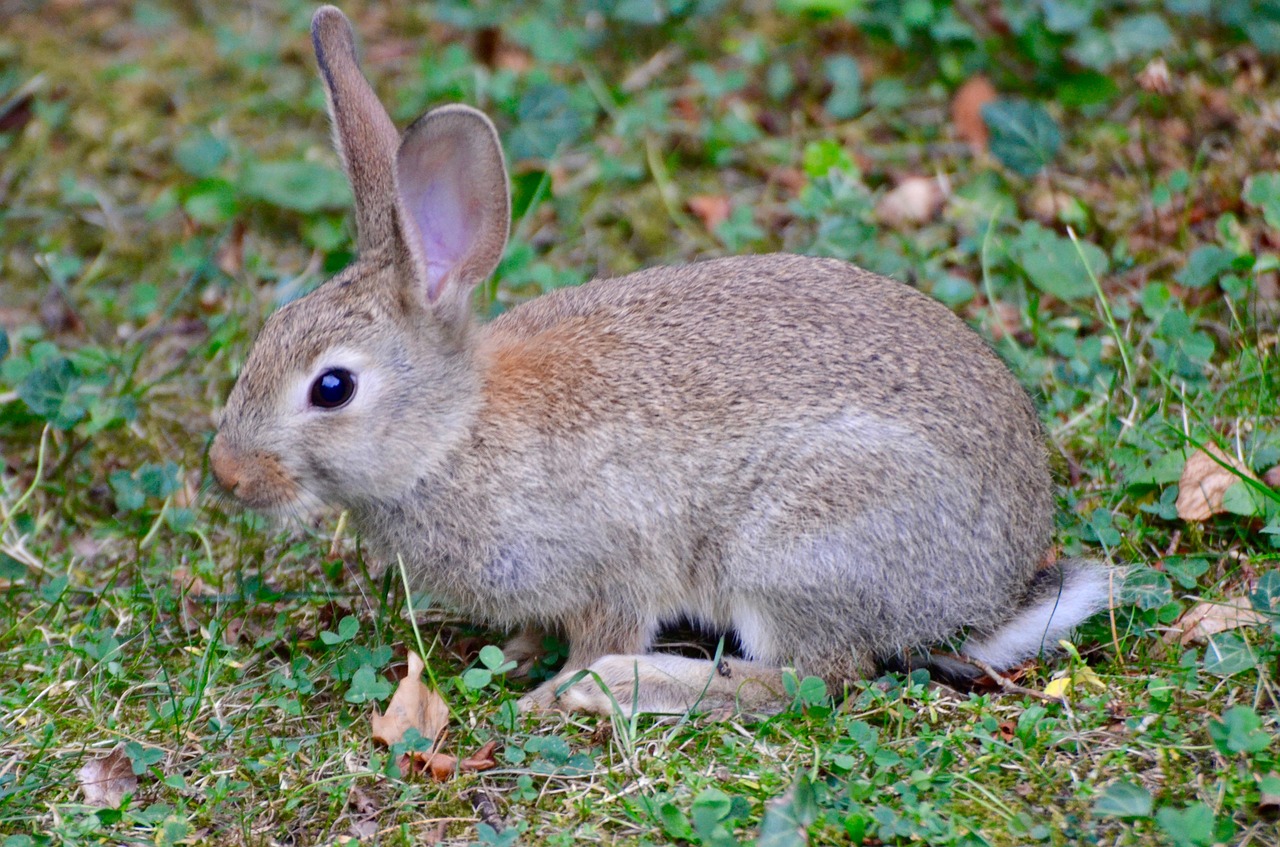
[546, 121]
[1146, 588]
[1067, 16]
[1189, 827]
[1263, 191]
[53, 391]
[1204, 265]
[845, 77]
[1024, 137]
[1266, 595]
[201, 155]
[1227, 653]
[1052, 263]
[1123, 800]
[1239, 731]
[786, 821]
[298, 186]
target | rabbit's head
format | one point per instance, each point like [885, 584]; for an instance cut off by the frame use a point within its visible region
[353, 391]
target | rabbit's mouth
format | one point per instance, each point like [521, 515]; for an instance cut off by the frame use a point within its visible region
[257, 479]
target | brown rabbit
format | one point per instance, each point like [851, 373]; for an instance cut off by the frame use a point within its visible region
[824, 461]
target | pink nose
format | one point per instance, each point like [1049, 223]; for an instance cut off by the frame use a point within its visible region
[226, 470]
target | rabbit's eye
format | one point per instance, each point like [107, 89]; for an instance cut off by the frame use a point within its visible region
[333, 388]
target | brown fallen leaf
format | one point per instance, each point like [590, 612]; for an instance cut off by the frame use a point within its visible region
[915, 200]
[439, 766]
[480, 760]
[1207, 618]
[711, 209]
[1156, 78]
[1271, 478]
[966, 111]
[107, 779]
[230, 257]
[1205, 481]
[364, 814]
[412, 706]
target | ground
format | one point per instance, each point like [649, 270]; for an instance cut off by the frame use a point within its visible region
[1093, 185]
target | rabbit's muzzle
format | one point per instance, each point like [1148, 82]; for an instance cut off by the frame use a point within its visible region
[258, 479]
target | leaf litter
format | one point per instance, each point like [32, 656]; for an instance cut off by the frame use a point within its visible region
[423, 710]
[107, 779]
[1205, 479]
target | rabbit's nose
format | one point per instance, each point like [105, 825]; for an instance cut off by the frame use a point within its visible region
[226, 470]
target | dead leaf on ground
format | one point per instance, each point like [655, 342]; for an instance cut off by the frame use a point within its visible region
[1205, 481]
[1271, 478]
[364, 813]
[230, 258]
[966, 111]
[711, 209]
[414, 706]
[914, 201]
[481, 760]
[1207, 618]
[1156, 78]
[107, 779]
[439, 766]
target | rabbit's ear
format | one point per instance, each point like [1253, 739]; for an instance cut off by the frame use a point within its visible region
[455, 208]
[363, 133]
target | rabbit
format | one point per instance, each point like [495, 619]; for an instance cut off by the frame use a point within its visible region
[823, 461]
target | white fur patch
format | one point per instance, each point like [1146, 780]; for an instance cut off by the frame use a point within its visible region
[753, 634]
[1037, 629]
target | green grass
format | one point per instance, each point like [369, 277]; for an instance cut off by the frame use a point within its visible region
[170, 181]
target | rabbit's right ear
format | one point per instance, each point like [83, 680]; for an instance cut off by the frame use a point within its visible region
[455, 207]
[363, 132]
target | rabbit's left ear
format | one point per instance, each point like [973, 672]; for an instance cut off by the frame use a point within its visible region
[454, 206]
[363, 132]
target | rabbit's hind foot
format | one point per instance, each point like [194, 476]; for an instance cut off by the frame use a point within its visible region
[662, 683]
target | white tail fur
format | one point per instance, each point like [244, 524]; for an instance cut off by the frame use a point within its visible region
[1062, 598]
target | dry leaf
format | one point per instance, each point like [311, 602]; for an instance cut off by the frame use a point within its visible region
[440, 766]
[1205, 619]
[1204, 482]
[916, 200]
[106, 780]
[1155, 77]
[364, 813]
[1271, 478]
[481, 760]
[230, 257]
[711, 209]
[966, 111]
[412, 706]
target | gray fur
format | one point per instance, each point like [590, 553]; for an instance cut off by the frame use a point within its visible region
[824, 460]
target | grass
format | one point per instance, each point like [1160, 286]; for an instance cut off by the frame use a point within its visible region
[167, 180]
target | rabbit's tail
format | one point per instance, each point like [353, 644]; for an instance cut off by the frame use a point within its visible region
[1060, 598]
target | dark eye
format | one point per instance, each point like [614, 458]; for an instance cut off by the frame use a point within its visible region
[333, 388]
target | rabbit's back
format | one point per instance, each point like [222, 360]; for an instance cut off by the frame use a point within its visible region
[741, 342]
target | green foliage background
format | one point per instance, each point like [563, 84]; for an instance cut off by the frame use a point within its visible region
[166, 180]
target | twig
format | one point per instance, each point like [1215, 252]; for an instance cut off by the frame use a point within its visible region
[1007, 685]
[486, 808]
